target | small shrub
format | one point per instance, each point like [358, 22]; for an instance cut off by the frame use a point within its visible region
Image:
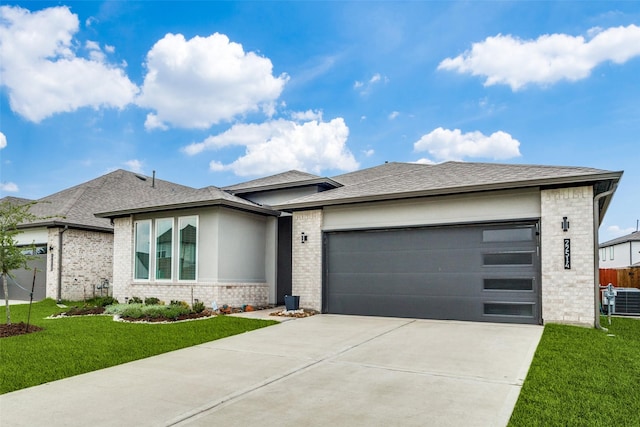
[182, 304]
[198, 307]
[105, 301]
[151, 301]
[135, 300]
[133, 311]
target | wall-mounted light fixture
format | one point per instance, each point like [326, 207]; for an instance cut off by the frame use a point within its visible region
[564, 224]
[303, 237]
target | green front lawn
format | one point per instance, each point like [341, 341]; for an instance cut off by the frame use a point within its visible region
[72, 346]
[583, 377]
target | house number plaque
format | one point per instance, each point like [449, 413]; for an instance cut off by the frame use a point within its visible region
[567, 254]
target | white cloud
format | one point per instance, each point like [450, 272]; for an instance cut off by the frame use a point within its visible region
[393, 115]
[9, 187]
[365, 87]
[307, 115]
[425, 161]
[3, 140]
[446, 144]
[205, 80]
[152, 122]
[279, 145]
[42, 73]
[618, 231]
[134, 165]
[368, 153]
[546, 60]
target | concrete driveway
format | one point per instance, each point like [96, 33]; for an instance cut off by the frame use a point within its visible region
[321, 370]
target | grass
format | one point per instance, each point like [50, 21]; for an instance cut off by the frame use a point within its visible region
[72, 346]
[583, 377]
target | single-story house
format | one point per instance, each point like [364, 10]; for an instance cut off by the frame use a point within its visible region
[465, 241]
[74, 248]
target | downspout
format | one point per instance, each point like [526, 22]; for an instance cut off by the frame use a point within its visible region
[596, 275]
[59, 298]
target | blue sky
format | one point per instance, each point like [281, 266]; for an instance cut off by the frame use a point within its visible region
[215, 93]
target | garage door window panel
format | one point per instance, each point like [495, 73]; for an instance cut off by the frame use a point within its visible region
[524, 234]
[508, 284]
[508, 258]
[508, 309]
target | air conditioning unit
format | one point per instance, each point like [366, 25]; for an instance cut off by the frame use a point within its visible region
[626, 301]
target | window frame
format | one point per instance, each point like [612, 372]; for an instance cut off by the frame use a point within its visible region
[135, 247]
[182, 219]
[156, 235]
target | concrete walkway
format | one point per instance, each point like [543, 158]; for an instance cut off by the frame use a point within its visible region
[316, 371]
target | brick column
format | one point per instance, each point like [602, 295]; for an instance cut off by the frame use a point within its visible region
[122, 257]
[307, 258]
[567, 294]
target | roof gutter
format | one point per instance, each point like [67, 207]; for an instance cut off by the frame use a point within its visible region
[596, 272]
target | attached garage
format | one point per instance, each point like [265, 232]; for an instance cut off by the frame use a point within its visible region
[461, 241]
[481, 272]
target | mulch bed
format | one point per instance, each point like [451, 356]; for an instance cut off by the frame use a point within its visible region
[16, 329]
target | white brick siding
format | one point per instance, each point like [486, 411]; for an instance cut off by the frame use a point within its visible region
[87, 258]
[567, 295]
[232, 294]
[307, 258]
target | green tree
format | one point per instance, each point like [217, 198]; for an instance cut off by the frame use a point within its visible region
[12, 256]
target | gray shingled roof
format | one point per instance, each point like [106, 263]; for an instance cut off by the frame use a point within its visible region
[15, 200]
[77, 205]
[208, 196]
[289, 179]
[633, 237]
[403, 180]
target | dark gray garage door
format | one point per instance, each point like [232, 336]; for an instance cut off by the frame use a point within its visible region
[481, 273]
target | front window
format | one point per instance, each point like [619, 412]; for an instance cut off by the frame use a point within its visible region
[164, 245]
[188, 245]
[143, 249]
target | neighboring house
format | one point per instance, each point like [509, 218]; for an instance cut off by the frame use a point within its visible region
[623, 252]
[74, 248]
[464, 241]
[620, 261]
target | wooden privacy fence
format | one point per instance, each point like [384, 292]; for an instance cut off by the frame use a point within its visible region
[620, 277]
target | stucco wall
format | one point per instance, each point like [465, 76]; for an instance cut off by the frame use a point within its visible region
[307, 258]
[241, 242]
[87, 258]
[567, 294]
[491, 206]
